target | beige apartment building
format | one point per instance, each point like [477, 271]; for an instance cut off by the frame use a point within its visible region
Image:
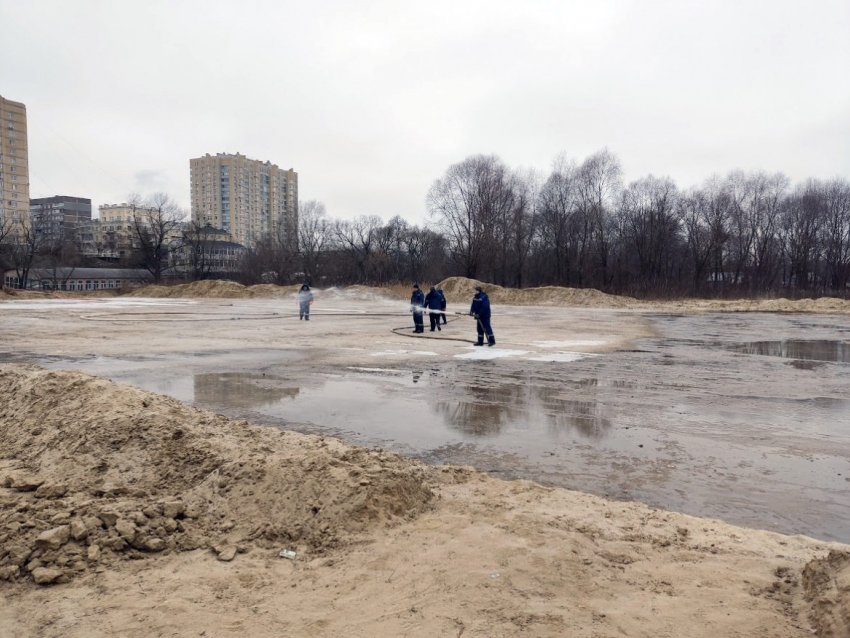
[14, 162]
[246, 198]
[112, 235]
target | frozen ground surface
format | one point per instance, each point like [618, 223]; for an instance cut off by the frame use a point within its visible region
[743, 417]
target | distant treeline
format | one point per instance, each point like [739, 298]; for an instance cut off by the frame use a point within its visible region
[742, 234]
[739, 234]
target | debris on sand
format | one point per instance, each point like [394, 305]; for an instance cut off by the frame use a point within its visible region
[92, 472]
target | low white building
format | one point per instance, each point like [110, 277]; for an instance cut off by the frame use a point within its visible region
[67, 278]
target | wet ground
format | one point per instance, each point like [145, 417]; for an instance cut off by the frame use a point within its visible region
[742, 417]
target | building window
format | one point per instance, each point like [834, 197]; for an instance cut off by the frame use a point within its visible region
[88, 284]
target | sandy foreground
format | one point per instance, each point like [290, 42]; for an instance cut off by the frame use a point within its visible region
[145, 517]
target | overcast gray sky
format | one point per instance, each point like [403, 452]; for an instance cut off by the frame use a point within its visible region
[371, 101]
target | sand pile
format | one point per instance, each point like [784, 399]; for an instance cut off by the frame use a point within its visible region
[213, 288]
[92, 472]
[825, 305]
[461, 289]
[827, 585]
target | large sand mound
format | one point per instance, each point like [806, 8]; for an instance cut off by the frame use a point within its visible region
[93, 472]
[461, 289]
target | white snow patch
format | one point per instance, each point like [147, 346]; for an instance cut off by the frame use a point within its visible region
[90, 304]
[575, 343]
[486, 352]
[562, 357]
[394, 353]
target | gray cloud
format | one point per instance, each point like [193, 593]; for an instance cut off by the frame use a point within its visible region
[370, 102]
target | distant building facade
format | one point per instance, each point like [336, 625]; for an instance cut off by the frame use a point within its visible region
[57, 218]
[246, 198]
[113, 234]
[205, 253]
[67, 278]
[14, 162]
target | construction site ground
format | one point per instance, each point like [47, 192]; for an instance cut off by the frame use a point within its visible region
[617, 423]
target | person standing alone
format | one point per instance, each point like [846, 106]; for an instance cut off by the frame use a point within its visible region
[434, 302]
[480, 309]
[305, 299]
[417, 300]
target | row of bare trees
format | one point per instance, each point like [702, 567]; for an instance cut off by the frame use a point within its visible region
[745, 233]
[365, 250]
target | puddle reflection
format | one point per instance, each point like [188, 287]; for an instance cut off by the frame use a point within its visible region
[835, 351]
[241, 390]
[482, 408]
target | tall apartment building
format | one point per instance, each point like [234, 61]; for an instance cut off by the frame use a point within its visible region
[246, 198]
[14, 163]
[57, 218]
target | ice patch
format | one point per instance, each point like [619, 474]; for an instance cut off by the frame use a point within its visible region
[576, 343]
[485, 352]
[90, 304]
[562, 357]
[394, 353]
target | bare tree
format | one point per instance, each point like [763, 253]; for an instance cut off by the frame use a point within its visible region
[468, 202]
[154, 227]
[558, 203]
[27, 242]
[314, 237]
[600, 183]
[835, 235]
[6, 226]
[196, 253]
[703, 214]
[803, 216]
[61, 260]
[651, 230]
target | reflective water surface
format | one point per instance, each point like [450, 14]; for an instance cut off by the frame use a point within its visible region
[695, 421]
[820, 350]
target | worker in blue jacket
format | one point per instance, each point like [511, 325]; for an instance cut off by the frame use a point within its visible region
[481, 311]
[442, 294]
[434, 302]
[417, 301]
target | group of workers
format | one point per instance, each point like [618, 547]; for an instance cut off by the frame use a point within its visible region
[434, 303]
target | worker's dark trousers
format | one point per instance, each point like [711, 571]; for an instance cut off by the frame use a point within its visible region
[417, 322]
[484, 328]
[435, 320]
[304, 311]
[445, 321]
